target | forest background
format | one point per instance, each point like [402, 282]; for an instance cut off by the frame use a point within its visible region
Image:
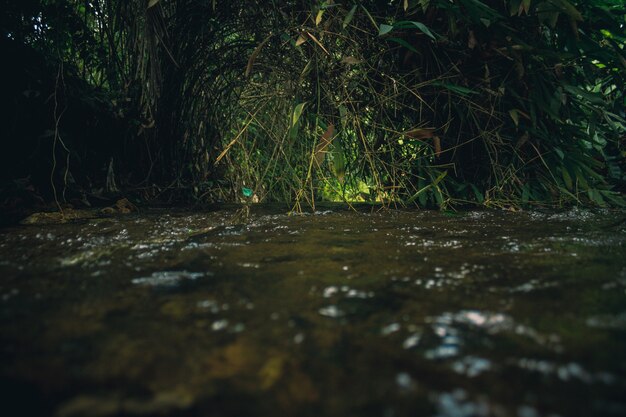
[434, 103]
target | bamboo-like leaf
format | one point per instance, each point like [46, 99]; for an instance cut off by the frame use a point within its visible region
[314, 39]
[464, 91]
[569, 9]
[514, 116]
[594, 98]
[596, 197]
[406, 5]
[349, 17]
[409, 24]
[292, 132]
[254, 55]
[567, 178]
[301, 39]
[424, 29]
[522, 140]
[339, 161]
[322, 145]
[318, 18]
[404, 43]
[420, 133]
[343, 113]
[437, 144]
[582, 181]
[479, 196]
[560, 153]
[515, 7]
[370, 17]
[297, 112]
[152, 3]
[547, 14]
[429, 186]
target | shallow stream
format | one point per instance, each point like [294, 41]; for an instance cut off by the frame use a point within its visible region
[336, 313]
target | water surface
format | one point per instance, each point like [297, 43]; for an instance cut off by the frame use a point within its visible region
[336, 313]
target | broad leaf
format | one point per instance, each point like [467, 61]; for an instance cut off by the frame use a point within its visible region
[384, 29]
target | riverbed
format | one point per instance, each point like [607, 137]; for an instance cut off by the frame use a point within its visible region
[337, 312]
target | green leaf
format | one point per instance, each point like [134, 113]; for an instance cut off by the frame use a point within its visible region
[514, 7]
[479, 196]
[339, 161]
[560, 153]
[593, 98]
[424, 29]
[408, 24]
[422, 190]
[349, 17]
[568, 9]
[455, 88]
[596, 197]
[477, 10]
[404, 43]
[616, 198]
[343, 114]
[438, 196]
[567, 178]
[384, 29]
[369, 16]
[614, 170]
[525, 193]
[514, 116]
[247, 192]
[297, 112]
[582, 181]
[547, 15]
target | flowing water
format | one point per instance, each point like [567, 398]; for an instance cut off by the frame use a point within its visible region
[336, 313]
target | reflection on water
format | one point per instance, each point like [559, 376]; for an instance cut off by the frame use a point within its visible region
[334, 313]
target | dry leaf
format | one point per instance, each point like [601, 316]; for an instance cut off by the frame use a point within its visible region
[420, 133]
[254, 54]
[437, 143]
[522, 140]
[322, 146]
[471, 42]
[318, 18]
[301, 39]
[350, 60]
[314, 39]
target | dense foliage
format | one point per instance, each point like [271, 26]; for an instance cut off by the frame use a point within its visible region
[428, 102]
